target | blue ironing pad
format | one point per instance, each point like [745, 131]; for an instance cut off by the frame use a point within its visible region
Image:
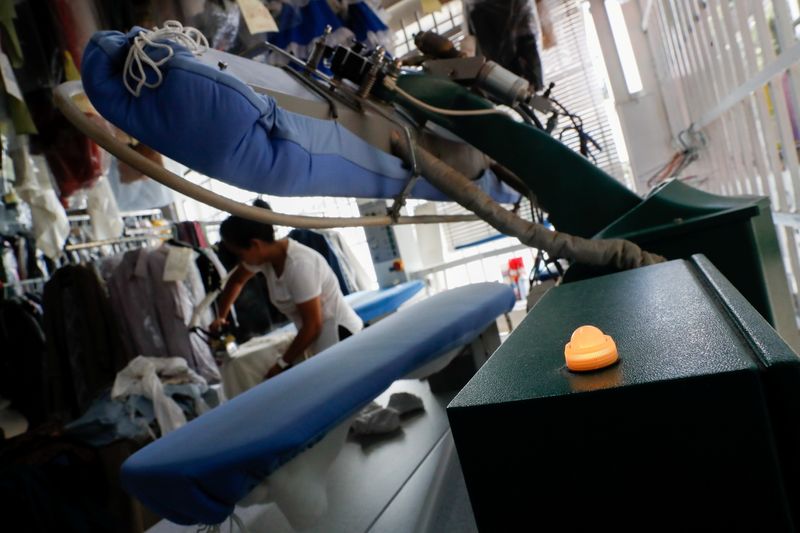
[197, 474]
[216, 124]
[370, 305]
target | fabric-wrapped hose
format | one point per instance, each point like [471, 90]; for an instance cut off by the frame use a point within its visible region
[619, 253]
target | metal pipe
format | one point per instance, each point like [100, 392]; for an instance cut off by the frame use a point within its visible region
[108, 242]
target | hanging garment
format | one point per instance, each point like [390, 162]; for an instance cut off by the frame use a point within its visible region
[213, 275]
[156, 313]
[318, 243]
[77, 21]
[506, 31]
[22, 358]
[140, 194]
[365, 20]
[53, 483]
[353, 270]
[74, 160]
[9, 270]
[221, 22]
[191, 233]
[175, 303]
[132, 300]
[300, 22]
[201, 241]
[211, 270]
[27, 257]
[50, 223]
[104, 213]
[40, 47]
[84, 349]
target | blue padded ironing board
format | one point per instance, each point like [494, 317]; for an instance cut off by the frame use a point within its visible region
[216, 124]
[197, 474]
[370, 305]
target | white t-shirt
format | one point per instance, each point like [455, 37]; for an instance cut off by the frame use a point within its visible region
[305, 276]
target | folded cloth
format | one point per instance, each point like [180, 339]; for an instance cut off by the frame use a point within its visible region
[405, 403]
[376, 420]
[143, 376]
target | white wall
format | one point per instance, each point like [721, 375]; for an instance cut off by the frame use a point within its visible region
[643, 116]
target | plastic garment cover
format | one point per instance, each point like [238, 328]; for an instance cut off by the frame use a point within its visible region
[143, 377]
[215, 124]
[506, 31]
[102, 207]
[50, 223]
[221, 22]
[139, 194]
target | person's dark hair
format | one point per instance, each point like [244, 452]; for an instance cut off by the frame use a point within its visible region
[240, 231]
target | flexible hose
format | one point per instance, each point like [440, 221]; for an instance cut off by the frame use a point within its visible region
[620, 253]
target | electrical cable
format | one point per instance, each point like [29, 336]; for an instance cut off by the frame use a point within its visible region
[392, 85]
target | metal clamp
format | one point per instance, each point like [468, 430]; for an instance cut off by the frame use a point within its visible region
[378, 59]
[319, 48]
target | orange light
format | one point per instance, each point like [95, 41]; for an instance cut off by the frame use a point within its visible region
[590, 349]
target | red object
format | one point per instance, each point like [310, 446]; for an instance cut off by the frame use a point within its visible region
[515, 263]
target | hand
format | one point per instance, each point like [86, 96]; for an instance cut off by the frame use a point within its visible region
[217, 325]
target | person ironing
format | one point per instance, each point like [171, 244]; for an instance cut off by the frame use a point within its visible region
[301, 285]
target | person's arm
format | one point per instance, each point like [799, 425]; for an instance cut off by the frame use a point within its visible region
[232, 289]
[311, 313]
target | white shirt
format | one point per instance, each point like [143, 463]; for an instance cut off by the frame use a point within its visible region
[306, 275]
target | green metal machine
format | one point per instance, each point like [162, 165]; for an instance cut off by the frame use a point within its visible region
[676, 220]
[694, 428]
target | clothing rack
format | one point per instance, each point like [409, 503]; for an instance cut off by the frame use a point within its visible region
[35, 284]
[80, 222]
[107, 242]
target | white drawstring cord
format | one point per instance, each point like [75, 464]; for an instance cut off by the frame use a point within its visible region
[217, 528]
[238, 521]
[137, 59]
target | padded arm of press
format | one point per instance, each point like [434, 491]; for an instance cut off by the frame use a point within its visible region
[216, 124]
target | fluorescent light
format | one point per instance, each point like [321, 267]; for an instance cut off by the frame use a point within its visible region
[622, 40]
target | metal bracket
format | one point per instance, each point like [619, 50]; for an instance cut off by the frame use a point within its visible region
[309, 83]
[400, 200]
